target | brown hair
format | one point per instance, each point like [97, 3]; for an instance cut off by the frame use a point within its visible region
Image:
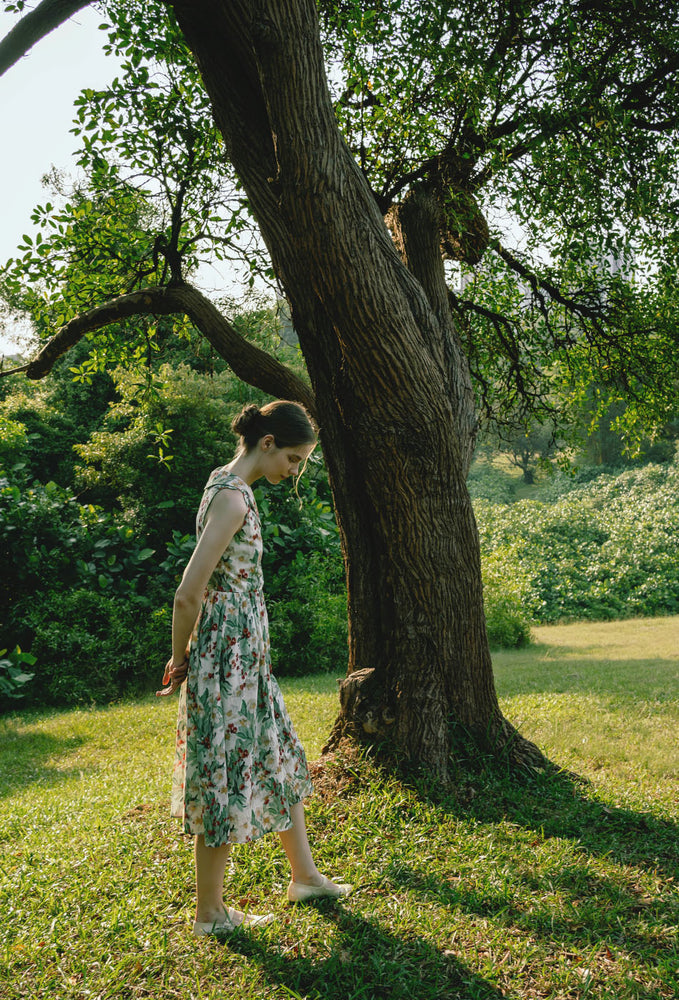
[289, 423]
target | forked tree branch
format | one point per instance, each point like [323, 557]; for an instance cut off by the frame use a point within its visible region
[248, 362]
[538, 285]
[47, 16]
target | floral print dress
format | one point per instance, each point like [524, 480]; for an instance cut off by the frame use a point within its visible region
[239, 765]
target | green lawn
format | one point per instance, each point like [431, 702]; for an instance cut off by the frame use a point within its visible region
[541, 889]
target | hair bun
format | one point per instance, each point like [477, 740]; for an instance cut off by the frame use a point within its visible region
[246, 420]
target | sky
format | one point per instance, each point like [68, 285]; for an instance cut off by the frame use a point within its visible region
[36, 112]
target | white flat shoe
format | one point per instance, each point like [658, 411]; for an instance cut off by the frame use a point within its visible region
[221, 928]
[299, 892]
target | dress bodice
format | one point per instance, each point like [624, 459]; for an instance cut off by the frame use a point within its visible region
[240, 567]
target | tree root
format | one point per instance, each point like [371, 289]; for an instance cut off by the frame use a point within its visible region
[366, 720]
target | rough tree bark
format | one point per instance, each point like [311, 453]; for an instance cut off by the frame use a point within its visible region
[390, 379]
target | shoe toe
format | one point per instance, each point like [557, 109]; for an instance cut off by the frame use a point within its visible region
[298, 892]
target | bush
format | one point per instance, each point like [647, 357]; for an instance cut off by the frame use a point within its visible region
[157, 447]
[308, 617]
[92, 648]
[604, 549]
[504, 596]
[49, 432]
[84, 648]
[13, 439]
[82, 590]
[13, 676]
[41, 537]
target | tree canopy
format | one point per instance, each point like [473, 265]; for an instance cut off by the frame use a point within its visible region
[546, 134]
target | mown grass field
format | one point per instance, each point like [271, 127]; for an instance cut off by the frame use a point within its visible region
[540, 889]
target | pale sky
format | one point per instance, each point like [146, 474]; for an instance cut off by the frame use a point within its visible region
[36, 112]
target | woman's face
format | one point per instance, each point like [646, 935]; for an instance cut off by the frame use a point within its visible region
[280, 463]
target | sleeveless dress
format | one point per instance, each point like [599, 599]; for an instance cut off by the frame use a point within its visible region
[239, 765]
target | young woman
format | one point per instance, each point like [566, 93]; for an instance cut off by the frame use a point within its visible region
[240, 770]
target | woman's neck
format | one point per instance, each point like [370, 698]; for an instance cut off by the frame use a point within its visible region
[245, 465]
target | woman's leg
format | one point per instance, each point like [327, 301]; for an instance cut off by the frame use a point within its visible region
[307, 881]
[210, 868]
[296, 845]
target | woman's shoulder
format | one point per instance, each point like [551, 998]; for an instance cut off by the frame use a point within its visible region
[223, 478]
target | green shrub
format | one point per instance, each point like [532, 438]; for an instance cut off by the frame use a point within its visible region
[89, 647]
[13, 439]
[13, 675]
[308, 616]
[84, 647]
[41, 538]
[603, 549]
[158, 444]
[504, 595]
[49, 433]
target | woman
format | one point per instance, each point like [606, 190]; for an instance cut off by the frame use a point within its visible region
[240, 770]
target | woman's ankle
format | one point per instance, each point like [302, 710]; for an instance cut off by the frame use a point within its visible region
[210, 914]
[308, 878]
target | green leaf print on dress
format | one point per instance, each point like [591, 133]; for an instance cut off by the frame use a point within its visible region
[239, 765]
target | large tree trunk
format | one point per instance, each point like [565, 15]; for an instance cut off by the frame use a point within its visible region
[390, 379]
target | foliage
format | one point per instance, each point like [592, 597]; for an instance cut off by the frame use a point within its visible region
[90, 597]
[504, 594]
[304, 576]
[159, 198]
[298, 522]
[55, 414]
[604, 431]
[85, 645]
[157, 446]
[13, 440]
[83, 597]
[557, 121]
[603, 549]
[41, 537]
[525, 114]
[308, 616]
[13, 675]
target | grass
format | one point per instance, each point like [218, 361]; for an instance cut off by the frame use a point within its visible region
[539, 889]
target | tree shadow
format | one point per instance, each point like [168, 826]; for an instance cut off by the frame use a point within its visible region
[364, 960]
[570, 909]
[553, 805]
[566, 669]
[24, 756]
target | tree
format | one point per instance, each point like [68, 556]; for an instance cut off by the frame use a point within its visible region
[562, 112]
[526, 447]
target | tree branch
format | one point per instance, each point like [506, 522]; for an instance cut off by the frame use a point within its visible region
[248, 362]
[539, 284]
[47, 16]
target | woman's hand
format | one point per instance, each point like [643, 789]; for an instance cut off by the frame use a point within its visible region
[174, 676]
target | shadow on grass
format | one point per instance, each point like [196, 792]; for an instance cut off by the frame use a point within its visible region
[553, 805]
[568, 671]
[573, 909]
[24, 758]
[364, 961]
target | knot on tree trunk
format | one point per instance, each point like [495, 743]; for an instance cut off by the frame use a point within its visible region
[364, 711]
[465, 233]
[442, 219]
